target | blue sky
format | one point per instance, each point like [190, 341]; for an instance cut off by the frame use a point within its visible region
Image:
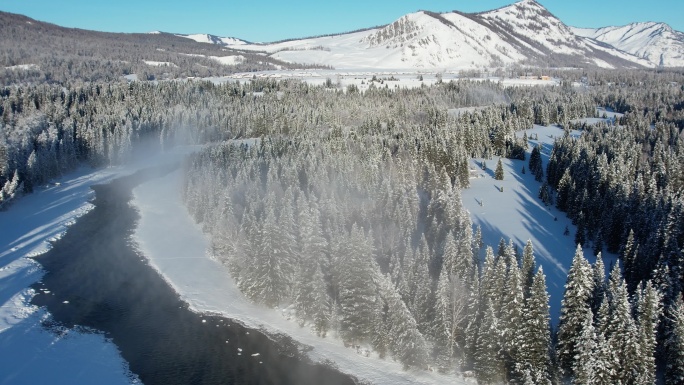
[269, 20]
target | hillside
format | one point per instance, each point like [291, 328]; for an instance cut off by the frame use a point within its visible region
[523, 33]
[656, 42]
[35, 51]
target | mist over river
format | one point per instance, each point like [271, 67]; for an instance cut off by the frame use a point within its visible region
[96, 278]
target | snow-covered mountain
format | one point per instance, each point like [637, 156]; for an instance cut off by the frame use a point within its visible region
[213, 39]
[522, 33]
[656, 42]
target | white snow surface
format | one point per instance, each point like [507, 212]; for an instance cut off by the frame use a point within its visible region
[159, 63]
[31, 354]
[23, 67]
[656, 42]
[532, 20]
[213, 39]
[177, 248]
[228, 60]
[417, 41]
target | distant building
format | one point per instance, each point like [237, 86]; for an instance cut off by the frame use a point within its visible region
[529, 76]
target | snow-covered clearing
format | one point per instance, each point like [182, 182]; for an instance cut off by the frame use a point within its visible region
[228, 60]
[517, 213]
[30, 354]
[159, 63]
[606, 115]
[384, 78]
[24, 67]
[177, 248]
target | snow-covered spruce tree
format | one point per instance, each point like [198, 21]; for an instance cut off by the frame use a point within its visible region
[574, 307]
[311, 299]
[357, 287]
[405, 342]
[621, 333]
[270, 279]
[599, 277]
[584, 365]
[629, 254]
[535, 164]
[489, 365]
[10, 190]
[527, 268]
[535, 341]
[473, 319]
[450, 257]
[674, 368]
[477, 240]
[451, 309]
[496, 284]
[604, 358]
[511, 319]
[501, 249]
[420, 286]
[649, 311]
[545, 194]
[564, 191]
[499, 172]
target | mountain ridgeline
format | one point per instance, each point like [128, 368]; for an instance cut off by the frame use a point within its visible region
[524, 33]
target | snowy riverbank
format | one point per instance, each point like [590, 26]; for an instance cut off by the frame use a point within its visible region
[31, 354]
[176, 247]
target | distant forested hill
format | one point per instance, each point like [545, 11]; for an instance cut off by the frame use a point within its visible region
[33, 51]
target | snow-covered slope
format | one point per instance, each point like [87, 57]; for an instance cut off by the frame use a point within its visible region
[543, 38]
[522, 33]
[656, 42]
[529, 22]
[213, 39]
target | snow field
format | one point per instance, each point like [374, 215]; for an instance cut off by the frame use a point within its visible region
[517, 213]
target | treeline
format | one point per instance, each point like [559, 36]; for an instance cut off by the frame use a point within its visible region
[46, 130]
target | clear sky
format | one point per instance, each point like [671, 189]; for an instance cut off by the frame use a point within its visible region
[269, 20]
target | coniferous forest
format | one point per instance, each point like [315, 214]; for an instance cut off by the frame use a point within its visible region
[345, 206]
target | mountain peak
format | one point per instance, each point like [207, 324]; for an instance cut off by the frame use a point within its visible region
[653, 41]
[523, 8]
[527, 2]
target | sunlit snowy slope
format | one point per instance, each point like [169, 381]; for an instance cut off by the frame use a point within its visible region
[656, 42]
[522, 33]
[213, 39]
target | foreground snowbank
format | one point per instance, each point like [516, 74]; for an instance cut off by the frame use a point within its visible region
[30, 354]
[177, 248]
